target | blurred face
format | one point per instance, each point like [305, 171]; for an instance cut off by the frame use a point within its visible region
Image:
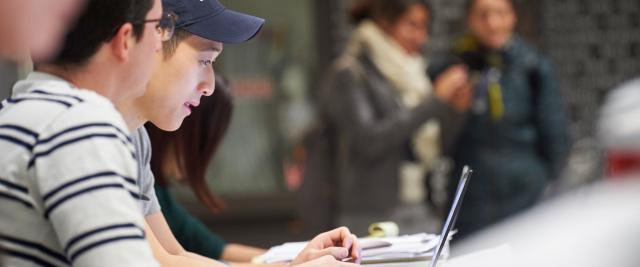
[143, 54]
[179, 82]
[492, 22]
[35, 26]
[410, 30]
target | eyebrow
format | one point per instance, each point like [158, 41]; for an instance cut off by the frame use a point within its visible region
[212, 49]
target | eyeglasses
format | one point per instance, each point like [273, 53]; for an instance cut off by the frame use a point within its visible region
[165, 27]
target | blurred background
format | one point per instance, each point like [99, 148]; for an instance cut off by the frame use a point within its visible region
[594, 46]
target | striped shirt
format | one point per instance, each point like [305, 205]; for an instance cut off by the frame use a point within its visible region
[68, 179]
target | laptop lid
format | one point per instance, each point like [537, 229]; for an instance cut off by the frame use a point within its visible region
[453, 213]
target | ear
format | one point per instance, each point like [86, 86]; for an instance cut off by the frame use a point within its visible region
[122, 43]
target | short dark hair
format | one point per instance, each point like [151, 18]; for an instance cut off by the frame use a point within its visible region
[169, 47]
[469, 4]
[387, 10]
[194, 144]
[97, 24]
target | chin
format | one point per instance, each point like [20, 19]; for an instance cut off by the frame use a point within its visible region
[494, 44]
[169, 126]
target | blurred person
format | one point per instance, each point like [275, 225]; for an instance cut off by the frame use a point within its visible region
[184, 75]
[183, 156]
[516, 135]
[34, 27]
[597, 220]
[68, 194]
[381, 119]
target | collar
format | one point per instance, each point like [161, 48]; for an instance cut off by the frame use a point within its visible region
[54, 82]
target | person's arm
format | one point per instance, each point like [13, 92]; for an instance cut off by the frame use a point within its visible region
[195, 237]
[551, 120]
[324, 261]
[349, 105]
[168, 259]
[189, 231]
[85, 169]
[160, 229]
[452, 126]
[338, 244]
[240, 253]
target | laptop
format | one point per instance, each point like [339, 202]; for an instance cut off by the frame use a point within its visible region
[453, 214]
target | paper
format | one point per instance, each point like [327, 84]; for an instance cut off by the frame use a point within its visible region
[375, 250]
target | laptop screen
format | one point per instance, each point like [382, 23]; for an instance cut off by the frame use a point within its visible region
[453, 213]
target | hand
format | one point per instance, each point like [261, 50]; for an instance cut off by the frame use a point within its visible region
[337, 244]
[327, 261]
[462, 98]
[452, 84]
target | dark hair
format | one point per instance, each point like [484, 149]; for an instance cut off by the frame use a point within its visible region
[387, 10]
[469, 4]
[97, 24]
[169, 47]
[194, 144]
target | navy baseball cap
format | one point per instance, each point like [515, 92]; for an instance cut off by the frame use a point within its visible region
[211, 20]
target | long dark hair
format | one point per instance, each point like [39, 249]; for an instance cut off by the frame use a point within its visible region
[387, 10]
[194, 144]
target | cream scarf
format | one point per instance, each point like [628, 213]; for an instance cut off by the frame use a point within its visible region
[407, 74]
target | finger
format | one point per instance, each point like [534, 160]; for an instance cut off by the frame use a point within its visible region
[333, 238]
[335, 252]
[356, 249]
[336, 236]
[348, 241]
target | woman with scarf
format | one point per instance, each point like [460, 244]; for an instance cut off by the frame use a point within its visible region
[383, 121]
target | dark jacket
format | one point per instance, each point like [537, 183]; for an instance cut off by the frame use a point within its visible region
[515, 156]
[363, 138]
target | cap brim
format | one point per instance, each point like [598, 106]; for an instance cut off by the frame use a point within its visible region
[228, 26]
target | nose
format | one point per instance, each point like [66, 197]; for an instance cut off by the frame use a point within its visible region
[207, 85]
[206, 89]
[494, 21]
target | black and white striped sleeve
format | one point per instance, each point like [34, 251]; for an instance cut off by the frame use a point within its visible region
[86, 174]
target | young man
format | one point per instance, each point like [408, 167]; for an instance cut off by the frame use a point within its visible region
[178, 83]
[68, 193]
